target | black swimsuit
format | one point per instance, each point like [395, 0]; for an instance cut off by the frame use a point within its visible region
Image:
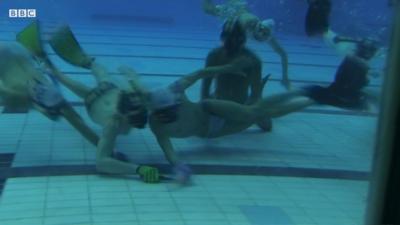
[346, 89]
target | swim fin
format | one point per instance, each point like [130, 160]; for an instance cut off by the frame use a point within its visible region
[67, 47]
[317, 18]
[29, 37]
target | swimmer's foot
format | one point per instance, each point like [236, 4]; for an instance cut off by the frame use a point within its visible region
[265, 125]
[68, 48]
[30, 38]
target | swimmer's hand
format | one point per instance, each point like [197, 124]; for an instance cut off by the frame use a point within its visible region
[45, 94]
[182, 173]
[149, 174]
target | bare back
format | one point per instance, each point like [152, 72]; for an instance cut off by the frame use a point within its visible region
[230, 86]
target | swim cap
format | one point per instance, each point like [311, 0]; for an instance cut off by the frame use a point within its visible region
[270, 23]
[263, 30]
[163, 98]
[164, 104]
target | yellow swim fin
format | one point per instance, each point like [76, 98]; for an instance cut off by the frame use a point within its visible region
[29, 37]
[67, 47]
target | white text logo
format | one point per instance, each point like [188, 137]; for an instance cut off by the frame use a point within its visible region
[22, 13]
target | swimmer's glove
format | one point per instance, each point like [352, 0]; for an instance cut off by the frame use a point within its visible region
[148, 174]
[182, 173]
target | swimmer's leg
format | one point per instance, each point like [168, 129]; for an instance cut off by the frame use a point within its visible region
[100, 72]
[77, 122]
[229, 110]
[317, 17]
[247, 113]
[279, 98]
[76, 87]
[132, 77]
[285, 108]
[107, 164]
[265, 124]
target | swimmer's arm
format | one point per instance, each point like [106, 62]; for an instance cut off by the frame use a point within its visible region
[79, 124]
[185, 82]
[107, 139]
[284, 60]
[165, 143]
[105, 149]
[236, 67]
[208, 72]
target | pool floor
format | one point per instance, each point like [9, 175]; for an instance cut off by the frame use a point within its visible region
[315, 163]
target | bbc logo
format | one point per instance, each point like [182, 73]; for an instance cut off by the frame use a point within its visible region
[22, 13]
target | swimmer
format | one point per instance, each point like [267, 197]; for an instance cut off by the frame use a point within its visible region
[317, 23]
[116, 110]
[24, 84]
[348, 88]
[178, 117]
[229, 86]
[260, 30]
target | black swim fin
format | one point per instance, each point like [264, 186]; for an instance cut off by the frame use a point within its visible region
[317, 18]
[67, 47]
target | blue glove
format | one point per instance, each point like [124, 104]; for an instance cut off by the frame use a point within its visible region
[182, 173]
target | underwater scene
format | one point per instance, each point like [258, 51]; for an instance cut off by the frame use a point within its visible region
[208, 112]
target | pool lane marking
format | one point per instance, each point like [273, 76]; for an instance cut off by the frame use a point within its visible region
[198, 169]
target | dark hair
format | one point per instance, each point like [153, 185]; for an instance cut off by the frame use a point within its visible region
[235, 37]
[169, 114]
[367, 48]
[131, 102]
